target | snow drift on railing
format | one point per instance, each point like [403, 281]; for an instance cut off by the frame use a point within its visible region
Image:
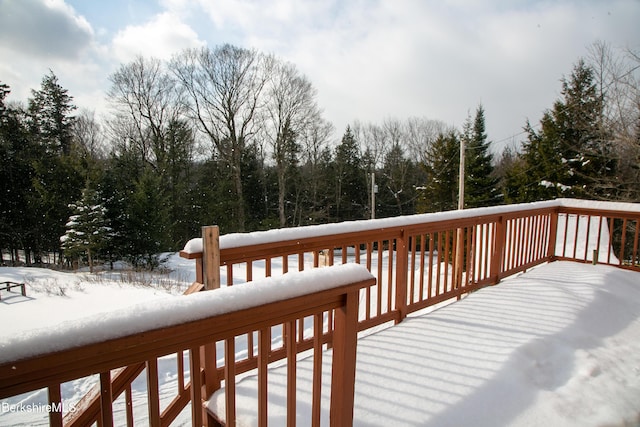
[235, 240]
[172, 311]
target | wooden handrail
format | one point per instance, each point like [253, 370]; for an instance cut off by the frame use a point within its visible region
[24, 374]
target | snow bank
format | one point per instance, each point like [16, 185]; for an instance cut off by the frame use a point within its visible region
[235, 240]
[169, 311]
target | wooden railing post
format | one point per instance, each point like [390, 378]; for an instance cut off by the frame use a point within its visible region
[402, 265]
[211, 257]
[211, 280]
[459, 258]
[343, 368]
[553, 235]
[498, 251]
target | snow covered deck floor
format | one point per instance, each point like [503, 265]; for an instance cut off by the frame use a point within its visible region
[556, 346]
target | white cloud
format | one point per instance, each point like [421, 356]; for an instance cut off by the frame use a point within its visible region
[38, 36]
[161, 37]
[371, 60]
[368, 59]
[48, 28]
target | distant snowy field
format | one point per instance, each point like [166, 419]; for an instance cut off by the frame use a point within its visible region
[556, 346]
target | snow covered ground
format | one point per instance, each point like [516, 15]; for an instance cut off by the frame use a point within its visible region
[558, 345]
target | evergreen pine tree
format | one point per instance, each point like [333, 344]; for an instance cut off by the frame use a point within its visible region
[58, 180]
[147, 218]
[351, 193]
[87, 232]
[396, 185]
[480, 182]
[17, 156]
[570, 156]
[442, 159]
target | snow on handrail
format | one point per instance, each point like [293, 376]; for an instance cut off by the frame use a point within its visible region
[234, 240]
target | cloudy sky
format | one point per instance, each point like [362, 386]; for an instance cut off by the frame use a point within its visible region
[368, 59]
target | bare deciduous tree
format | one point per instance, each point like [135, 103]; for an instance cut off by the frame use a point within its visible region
[617, 75]
[290, 110]
[224, 87]
[88, 136]
[316, 155]
[146, 100]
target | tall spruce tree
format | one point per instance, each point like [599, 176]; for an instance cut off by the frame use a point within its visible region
[570, 155]
[442, 159]
[17, 156]
[58, 179]
[480, 182]
[397, 188]
[351, 194]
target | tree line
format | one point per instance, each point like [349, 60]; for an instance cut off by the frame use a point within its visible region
[235, 137]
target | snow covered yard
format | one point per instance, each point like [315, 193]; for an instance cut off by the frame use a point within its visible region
[556, 346]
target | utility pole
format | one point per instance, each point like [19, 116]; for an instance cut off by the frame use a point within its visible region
[461, 178]
[374, 190]
[457, 280]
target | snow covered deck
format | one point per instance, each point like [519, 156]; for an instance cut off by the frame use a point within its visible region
[557, 345]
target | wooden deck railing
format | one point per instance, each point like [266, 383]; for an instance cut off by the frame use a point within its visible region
[196, 322]
[418, 261]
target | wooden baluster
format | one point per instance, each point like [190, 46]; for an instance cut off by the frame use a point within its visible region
[566, 230]
[430, 277]
[368, 290]
[230, 380]
[575, 237]
[317, 370]
[106, 400]
[610, 221]
[267, 266]
[439, 263]
[55, 402]
[411, 286]
[449, 257]
[153, 395]
[249, 275]
[379, 281]
[290, 339]
[180, 369]
[623, 241]
[128, 401]
[634, 258]
[229, 274]
[390, 266]
[196, 386]
[264, 347]
[586, 243]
